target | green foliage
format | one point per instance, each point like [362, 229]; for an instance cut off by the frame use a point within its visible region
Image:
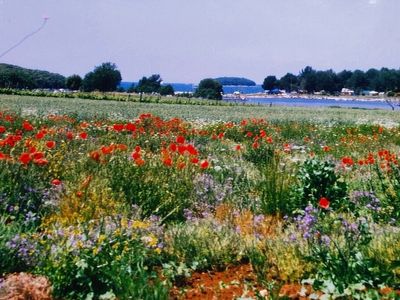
[9, 260]
[149, 85]
[206, 243]
[165, 195]
[275, 187]
[270, 83]
[107, 256]
[235, 81]
[209, 89]
[288, 82]
[166, 90]
[74, 82]
[318, 179]
[337, 245]
[20, 78]
[103, 78]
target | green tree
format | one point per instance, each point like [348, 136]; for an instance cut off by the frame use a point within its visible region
[326, 81]
[270, 83]
[358, 81]
[104, 78]
[74, 82]
[289, 82]
[308, 79]
[149, 85]
[209, 89]
[167, 90]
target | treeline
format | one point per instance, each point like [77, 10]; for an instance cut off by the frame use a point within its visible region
[310, 81]
[235, 81]
[104, 78]
[20, 78]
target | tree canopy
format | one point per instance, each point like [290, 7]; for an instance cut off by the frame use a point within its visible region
[73, 82]
[235, 81]
[151, 84]
[104, 78]
[21, 78]
[270, 83]
[209, 89]
[310, 80]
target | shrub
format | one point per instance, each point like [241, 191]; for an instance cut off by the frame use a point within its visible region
[318, 179]
[206, 243]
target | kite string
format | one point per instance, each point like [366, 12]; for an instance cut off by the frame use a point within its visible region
[24, 38]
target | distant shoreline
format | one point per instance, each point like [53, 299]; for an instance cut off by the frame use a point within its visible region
[311, 97]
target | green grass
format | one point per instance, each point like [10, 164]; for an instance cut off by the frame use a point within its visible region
[125, 110]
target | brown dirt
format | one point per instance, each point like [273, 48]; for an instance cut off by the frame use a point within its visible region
[233, 282]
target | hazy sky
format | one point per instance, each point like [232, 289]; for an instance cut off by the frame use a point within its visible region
[188, 40]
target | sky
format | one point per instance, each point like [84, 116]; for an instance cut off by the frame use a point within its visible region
[189, 40]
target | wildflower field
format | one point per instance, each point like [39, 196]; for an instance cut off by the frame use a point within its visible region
[109, 200]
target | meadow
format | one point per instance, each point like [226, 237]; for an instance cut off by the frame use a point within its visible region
[108, 199]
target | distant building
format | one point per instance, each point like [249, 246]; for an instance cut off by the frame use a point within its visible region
[346, 92]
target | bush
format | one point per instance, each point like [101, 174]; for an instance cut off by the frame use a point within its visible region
[318, 179]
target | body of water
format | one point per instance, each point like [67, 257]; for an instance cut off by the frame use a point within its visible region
[315, 102]
[190, 88]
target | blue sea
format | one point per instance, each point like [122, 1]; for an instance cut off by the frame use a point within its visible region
[190, 88]
[314, 102]
[323, 102]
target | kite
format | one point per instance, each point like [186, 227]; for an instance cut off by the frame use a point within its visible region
[45, 19]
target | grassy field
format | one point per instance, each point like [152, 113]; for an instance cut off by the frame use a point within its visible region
[29, 105]
[122, 200]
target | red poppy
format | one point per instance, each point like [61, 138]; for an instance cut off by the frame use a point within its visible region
[192, 150]
[347, 161]
[180, 139]
[204, 164]
[256, 145]
[106, 150]
[56, 181]
[238, 147]
[37, 155]
[32, 149]
[324, 203]
[135, 155]
[40, 161]
[326, 148]
[79, 194]
[122, 147]
[69, 135]
[50, 144]
[167, 161]
[139, 161]
[194, 160]
[40, 135]
[25, 158]
[27, 126]
[172, 147]
[2, 129]
[95, 155]
[118, 127]
[138, 149]
[83, 135]
[181, 149]
[130, 127]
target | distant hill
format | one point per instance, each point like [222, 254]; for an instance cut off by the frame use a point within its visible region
[12, 76]
[235, 81]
